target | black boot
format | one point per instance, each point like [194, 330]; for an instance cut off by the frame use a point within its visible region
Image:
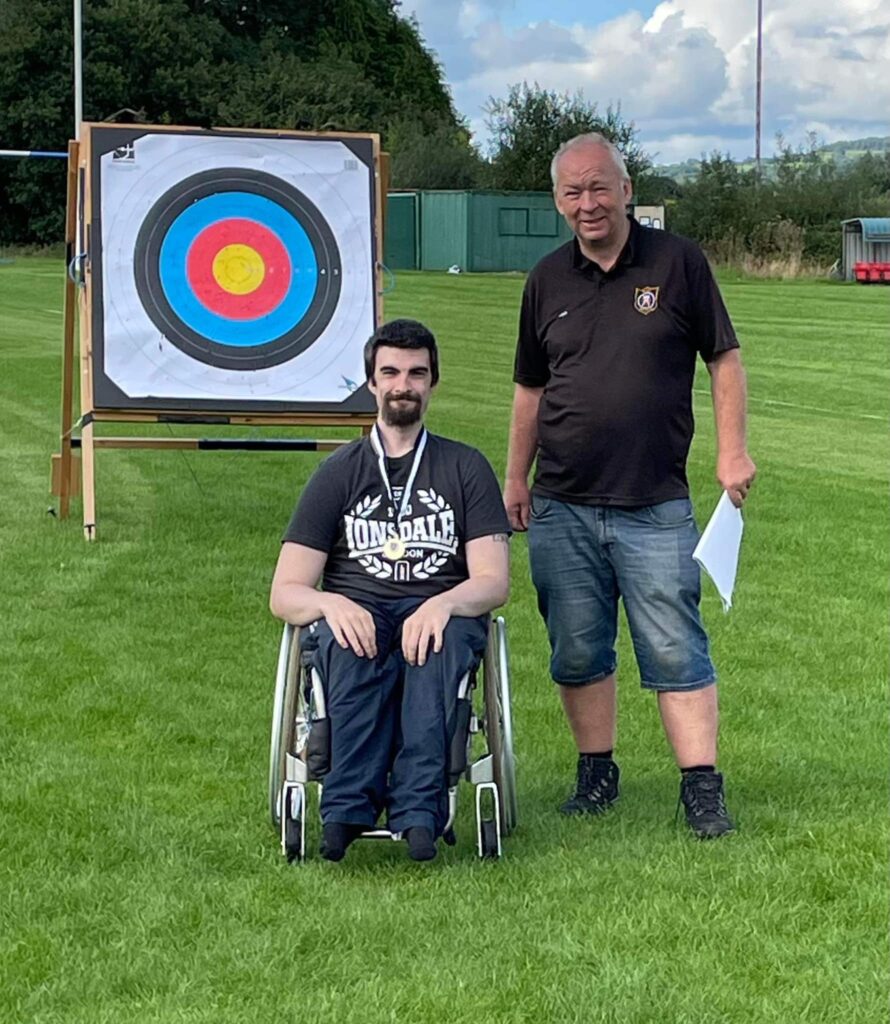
[701, 794]
[596, 788]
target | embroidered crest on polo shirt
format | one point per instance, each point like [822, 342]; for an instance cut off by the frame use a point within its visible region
[646, 299]
[413, 549]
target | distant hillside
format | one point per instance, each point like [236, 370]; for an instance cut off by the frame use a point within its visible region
[843, 152]
[874, 144]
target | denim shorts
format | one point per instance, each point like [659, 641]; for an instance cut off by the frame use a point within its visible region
[584, 557]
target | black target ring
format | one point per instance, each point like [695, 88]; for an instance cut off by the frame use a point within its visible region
[279, 209]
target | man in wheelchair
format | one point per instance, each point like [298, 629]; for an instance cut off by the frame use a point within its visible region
[407, 532]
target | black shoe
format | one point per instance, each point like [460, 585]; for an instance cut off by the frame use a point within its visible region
[421, 845]
[596, 788]
[336, 837]
[701, 794]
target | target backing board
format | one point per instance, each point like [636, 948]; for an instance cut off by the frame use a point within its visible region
[230, 270]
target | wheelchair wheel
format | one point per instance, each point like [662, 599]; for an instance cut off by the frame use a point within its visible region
[284, 716]
[499, 722]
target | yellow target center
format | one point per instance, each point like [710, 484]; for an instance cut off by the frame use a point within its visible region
[239, 269]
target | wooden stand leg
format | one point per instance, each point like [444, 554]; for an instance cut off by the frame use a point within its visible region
[66, 468]
[88, 465]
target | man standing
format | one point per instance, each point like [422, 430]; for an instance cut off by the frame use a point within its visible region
[609, 330]
[408, 531]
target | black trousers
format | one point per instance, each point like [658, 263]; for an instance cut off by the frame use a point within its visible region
[392, 723]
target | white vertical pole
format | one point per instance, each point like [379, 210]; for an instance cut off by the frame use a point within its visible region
[78, 67]
[759, 101]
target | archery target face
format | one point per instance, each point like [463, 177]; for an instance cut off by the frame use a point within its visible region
[236, 268]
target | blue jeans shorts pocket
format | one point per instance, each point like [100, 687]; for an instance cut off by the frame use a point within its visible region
[539, 505]
[669, 514]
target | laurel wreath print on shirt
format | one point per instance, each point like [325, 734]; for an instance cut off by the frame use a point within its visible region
[376, 567]
[434, 562]
[367, 506]
[364, 509]
[432, 500]
[429, 566]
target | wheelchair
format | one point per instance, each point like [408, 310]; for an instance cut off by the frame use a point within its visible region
[300, 746]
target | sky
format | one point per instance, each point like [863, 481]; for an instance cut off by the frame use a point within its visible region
[682, 70]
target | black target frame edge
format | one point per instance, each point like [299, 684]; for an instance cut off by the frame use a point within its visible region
[106, 394]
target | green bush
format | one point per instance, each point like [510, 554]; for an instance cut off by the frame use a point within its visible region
[792, 217]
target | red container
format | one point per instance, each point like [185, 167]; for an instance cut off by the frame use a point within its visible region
[872, 273]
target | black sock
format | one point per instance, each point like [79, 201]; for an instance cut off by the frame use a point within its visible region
[698, 768]
[600, 755]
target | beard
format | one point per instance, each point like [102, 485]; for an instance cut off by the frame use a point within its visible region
[401, 415]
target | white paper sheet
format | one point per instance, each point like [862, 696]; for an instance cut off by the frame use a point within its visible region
[717, 551]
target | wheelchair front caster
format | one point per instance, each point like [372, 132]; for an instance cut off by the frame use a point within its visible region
[491, 841]
[293, 821]
[488, 821]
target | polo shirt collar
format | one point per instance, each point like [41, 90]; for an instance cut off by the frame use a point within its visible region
[625, 258]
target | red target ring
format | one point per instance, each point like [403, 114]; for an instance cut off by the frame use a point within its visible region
[238, 234]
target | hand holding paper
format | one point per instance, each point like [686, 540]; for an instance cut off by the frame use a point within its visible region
[717, 551]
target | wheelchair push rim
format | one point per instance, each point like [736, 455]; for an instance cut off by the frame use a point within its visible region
[284, 715]
[499, 722]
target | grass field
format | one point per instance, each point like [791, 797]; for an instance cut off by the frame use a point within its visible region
[141, 883]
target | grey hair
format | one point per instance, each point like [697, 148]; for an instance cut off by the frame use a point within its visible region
[590, 139]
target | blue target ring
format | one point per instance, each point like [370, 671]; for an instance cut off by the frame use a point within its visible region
[226, 198]
[180, 293]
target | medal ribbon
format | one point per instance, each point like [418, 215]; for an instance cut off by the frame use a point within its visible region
[377, 445]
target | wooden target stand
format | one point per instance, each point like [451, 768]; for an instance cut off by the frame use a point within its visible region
[73, 468]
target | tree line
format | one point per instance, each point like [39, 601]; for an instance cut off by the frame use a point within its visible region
[791, 218]
[358, 65]
[353, 65]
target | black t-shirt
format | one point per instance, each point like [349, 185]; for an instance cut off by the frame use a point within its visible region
[344, 511]
[615, 353]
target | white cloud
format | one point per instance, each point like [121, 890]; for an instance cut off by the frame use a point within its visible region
[685, 75]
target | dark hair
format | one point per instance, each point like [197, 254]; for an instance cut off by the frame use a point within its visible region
[402, 334]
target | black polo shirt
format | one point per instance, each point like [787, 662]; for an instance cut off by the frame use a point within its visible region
[615, 353]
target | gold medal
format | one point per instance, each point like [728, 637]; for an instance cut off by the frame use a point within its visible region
[394, 549]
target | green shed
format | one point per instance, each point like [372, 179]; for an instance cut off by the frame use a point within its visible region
[512, 230]
[401, 231]
[444, 230]
[476, 231]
